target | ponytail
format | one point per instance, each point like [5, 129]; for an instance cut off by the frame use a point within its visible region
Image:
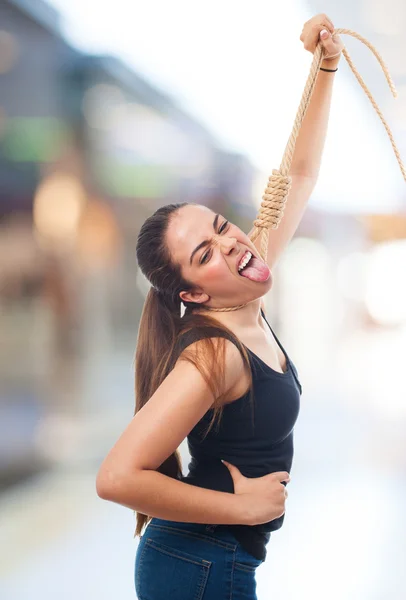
[157, 334]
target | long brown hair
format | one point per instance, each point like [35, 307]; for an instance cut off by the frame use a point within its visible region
[161, 327]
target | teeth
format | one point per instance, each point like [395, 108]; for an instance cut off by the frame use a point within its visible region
[245, 260]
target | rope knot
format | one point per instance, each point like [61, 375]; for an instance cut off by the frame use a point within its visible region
[273, 200]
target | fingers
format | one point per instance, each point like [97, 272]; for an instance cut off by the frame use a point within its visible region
[327, 41]
[329, 24]
[311, 37]
[233, 469]
[323, 19]
[311, 30]
[331, 45]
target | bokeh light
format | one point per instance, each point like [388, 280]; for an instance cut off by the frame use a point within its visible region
[386, 283]
[58, 205]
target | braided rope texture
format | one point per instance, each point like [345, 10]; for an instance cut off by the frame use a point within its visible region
[279, 183]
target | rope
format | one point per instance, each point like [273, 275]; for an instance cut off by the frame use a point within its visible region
[279, 183]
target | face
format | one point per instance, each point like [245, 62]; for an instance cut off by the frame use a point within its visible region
[214, 266]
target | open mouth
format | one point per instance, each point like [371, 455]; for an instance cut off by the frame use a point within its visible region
[253, 268]
[245, 261]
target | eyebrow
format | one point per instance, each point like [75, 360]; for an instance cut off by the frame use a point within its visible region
[205, 242]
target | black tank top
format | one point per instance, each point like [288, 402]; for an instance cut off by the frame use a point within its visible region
[257, 443]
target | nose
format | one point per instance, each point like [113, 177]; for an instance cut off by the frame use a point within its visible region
[225, 242]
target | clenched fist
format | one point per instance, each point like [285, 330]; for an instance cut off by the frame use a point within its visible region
[320, 28]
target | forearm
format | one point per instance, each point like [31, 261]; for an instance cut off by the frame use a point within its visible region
[310, 142]
[158, 495]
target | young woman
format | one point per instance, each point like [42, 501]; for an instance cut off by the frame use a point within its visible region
[219, 378]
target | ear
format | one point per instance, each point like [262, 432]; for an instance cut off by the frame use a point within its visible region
[194, 296]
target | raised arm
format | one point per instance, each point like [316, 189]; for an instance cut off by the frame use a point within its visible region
[308, 152]
[127, 475]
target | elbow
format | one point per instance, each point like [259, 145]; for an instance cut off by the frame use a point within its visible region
[115, 486]
[102, 487]
[107, 485]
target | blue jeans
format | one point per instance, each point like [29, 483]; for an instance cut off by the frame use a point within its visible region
[192, 561]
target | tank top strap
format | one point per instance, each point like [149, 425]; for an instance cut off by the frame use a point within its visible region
[294, 370]
[274, 334]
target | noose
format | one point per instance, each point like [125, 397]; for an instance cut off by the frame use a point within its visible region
[279, 183]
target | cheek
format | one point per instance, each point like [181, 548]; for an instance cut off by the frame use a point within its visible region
[216, 271]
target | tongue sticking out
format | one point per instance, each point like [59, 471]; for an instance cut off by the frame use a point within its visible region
[256, 270]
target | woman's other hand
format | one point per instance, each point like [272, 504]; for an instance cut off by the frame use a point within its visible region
[262, 498]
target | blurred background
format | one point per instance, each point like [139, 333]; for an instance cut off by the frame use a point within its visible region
[108, 111]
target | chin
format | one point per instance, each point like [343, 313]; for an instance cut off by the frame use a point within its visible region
[259, 289]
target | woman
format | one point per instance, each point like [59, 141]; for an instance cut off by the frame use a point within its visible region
[220, 378]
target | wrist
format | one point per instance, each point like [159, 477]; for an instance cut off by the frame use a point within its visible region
[330, 64]
[242, 513]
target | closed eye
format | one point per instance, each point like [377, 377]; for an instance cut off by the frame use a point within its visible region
[206, 254]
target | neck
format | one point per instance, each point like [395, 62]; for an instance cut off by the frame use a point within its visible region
[248, 314]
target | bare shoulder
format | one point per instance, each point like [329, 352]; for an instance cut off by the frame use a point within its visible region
[233, 361]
